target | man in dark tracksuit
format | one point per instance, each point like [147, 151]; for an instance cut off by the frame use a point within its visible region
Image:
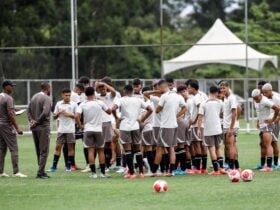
[39, 110]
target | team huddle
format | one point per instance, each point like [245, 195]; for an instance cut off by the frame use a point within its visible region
[160, 130]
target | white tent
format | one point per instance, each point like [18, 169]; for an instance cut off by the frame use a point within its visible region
[229, 49]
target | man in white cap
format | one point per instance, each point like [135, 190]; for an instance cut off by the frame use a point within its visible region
[274, 97]
[265, 124]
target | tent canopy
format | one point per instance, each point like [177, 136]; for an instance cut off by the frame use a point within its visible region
[219, 45]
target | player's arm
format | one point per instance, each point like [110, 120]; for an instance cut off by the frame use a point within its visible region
[158, 109]
[233, 119]
[78, 120]
[199, 124]
[109, 88]
[239, 111]
[151, 92]
[276, 113]
[12, 118]
[46, 110]
[146, 114]
[182, 112]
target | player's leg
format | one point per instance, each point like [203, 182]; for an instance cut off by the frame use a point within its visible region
[126, 141]
[60, 141]
[70, 160]
[267, 139]
[231, 149]
[203, 158]
[136, 140]
[275, 153]
[3, 152]
[91, 159]
[158, 158]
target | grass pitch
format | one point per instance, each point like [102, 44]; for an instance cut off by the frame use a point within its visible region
[76, 191]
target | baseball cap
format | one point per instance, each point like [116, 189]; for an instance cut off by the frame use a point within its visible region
[256, 92]
[7, 83]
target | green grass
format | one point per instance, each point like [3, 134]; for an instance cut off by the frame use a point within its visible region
[76, 191]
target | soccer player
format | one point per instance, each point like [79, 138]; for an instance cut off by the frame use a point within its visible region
[170, 106]
[130, 108]
[136, 84]
[209, 112]
[65, 113]
[183, 125]
[92, 124]
[9, 129]
[200, 151]
[270, 94]
[106, 94]
[265, 124]
[39, 113]
[230, 125]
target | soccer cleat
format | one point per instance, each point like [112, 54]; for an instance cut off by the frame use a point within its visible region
[223, 171]
[4, 175]
[86, 170]
[204, 171]
[42, 176]
[142, 176]
[93, 176]
[266, 169]
[104, 175]
[170, 174]
[68, 169]
[20, 175]
[52, 169]
[121, 170]
[130, 176]
[189, 171]
[107, 170]
[215, 173]
[196, 171]
[275, 167]
[258, 167]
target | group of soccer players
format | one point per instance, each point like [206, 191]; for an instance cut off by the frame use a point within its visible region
[164, 129]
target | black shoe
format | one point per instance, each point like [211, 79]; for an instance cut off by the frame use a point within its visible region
[44, 176]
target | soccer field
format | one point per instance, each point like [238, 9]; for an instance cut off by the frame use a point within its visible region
[76, 191]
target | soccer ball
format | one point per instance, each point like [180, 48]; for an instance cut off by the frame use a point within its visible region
[247, 175]
[160, 186]
[234, 176]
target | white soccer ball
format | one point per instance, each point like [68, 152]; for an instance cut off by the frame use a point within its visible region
[247, 175]
[234, 176]
[160, 186]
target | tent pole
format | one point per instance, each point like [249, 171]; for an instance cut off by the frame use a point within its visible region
[73, 43]
[247, 69]
[161, 40]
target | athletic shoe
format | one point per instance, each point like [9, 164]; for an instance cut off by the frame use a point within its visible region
[130, 176]
[4, 175]
[179, 172]
[52, 169]
[42, 176]
[196, 171]
[86, 170]
[104, 175]
[204, 171]
[121, 170]
[215, 173]
[68, 169]
[275, 167]
[75, 168]
[189, 171]
[20, 175]
[107, 170]
[223, 171]
[258, 167]
[93, 176]
[142, 176]
[266, 169]
[170, 174]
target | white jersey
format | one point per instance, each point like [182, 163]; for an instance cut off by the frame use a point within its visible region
[190, 106]
[170, 103]
[108, 99]
[230, 103]
[276, 100]
[156, 116]
[198, 99]
[263, 109]
[92, 111]
[130, 109]
[211, 110]
[148, 124]
[75, 97]
[66, 124]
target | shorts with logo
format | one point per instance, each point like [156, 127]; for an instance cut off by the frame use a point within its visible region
[235, 133]
[194, 135]
[130, 137]
[65, 138]
[188, 137]
[181, 131]
[213, 141]
[167, 137]
[270, 129]
[148, 138]
[107, 131]
[93, 139]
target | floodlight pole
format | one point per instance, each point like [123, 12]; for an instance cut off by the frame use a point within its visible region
[76, 39]
[161, 40]
[73, 43]
[246, 86]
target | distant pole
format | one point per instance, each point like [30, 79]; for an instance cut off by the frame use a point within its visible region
[247, 69]
[73, 43]
[161, 40]
[76, 39]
